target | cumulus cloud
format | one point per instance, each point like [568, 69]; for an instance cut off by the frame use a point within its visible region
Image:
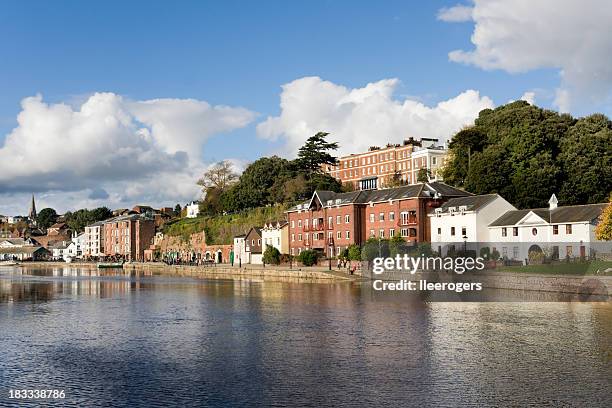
[574, 37]
[529, 97]
[361, 117]
[111, 148]
[456, 14]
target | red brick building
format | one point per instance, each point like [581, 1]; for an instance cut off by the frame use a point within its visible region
[330, 222]
[128, 236]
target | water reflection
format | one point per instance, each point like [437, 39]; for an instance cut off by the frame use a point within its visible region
[116, 339]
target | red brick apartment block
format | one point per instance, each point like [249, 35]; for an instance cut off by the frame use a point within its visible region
[128, 236]
[329, 222]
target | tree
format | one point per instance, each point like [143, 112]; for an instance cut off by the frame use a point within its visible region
[397, 245]
[315, 153]
[603, 231]
[177, 210]
[221, 175]
[423, 175]
[395, 180]
[308, 257]
[79, 219]
[46, 217]
[271, 255]
[354, 253]
[347, 187]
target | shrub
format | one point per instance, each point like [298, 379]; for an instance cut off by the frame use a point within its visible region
[308, 257]
[271, 255]
[397, 246]
[354, 253]
[485, 252]
[495, 255]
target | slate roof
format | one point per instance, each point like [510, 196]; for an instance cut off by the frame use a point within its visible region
[21, 250]
[560, 215]
[472, 203]
[421, 190]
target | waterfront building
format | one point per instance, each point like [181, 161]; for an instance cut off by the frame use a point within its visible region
[128, 236]
[380, 167]
[24, 253]
[276, 234]
[558, 232]
[465, 220]
[253, 246]
[330, 222]
[94, 240]
[239, 248]
[193, 209]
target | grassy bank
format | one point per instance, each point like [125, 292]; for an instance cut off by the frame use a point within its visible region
[221, 229]
[562, 268]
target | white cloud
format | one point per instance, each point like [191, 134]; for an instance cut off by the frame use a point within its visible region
[361, 117]
[522, 35]
[455, 14]
[529, 97]
[110, 150]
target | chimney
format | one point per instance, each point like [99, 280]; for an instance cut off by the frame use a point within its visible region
[552, 203]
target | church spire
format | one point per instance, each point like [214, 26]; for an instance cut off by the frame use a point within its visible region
[32, 214]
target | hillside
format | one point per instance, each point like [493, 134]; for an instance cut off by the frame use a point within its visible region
[221, 229]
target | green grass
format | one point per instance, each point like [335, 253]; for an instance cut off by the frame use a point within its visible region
[562, 268]
[221, 229]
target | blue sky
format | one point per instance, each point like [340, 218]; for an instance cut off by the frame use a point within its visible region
[239, 54]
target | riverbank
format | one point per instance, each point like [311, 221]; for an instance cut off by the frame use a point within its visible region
[561, 283]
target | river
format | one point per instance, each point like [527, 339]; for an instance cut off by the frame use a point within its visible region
[127, 340]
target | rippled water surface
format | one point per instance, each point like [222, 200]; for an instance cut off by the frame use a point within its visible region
[121, 340]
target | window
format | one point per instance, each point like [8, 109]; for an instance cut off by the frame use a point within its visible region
[463, 232]
[292, 251]
[372, 233]
[433, 161]
[453, 231]
[391, 216]
[404, 217]
[504, 232]
[339, 235]
[330, 221]
[338, 219]
[439, 231]
[259, 242]
[568, 229]
[347, 219]
[299, 223]
[381, 217]
[404, 232]
[381, 233]
[555, 230]
[569, 251]
[534, 231]
[371, 217]
[252, 242]
[515, 231]
[306, 223]
[348, 234]
[515, 252]
[391, 233]
[299, 237]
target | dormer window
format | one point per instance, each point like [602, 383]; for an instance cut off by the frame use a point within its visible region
[462, 208]
[338, 201]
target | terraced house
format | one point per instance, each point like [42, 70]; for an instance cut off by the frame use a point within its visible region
[329, 222]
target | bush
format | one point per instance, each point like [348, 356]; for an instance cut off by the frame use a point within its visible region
[308, 257]
[271, 255]
[495, 255]
[354, 253]
[344, 254]
[485, 252]
[285, 258]
[397, 246]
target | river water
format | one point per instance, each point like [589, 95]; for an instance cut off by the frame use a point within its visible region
[128, 340]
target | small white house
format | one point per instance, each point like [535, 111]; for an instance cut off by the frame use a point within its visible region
[558, 232]
[240, 254]
[276, 234]
[465, 220]
[193, 209]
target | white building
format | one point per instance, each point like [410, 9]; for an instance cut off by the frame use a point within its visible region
[276, 234]
[240, 254]
[558, 232]
[94, 240]
[465, 220]
[430, 157]
[193, 209]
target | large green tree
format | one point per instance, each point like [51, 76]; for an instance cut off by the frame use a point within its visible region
[46, 217]
[526, 154]
[315, 153]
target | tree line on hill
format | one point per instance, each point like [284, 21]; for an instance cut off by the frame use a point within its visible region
[526, 153]
[270, 180]
[76, 220]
